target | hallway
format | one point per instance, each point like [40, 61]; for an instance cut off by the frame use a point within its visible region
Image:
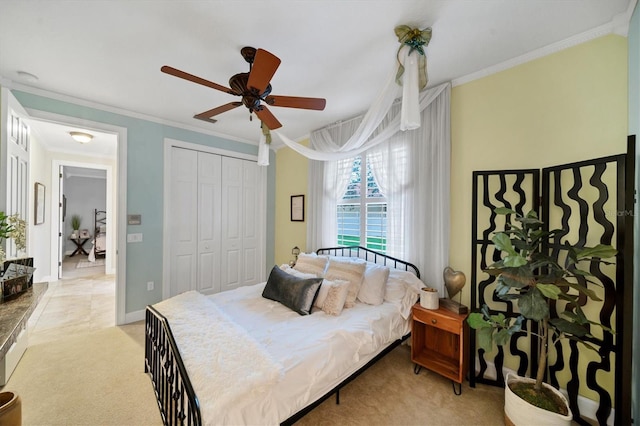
[84, 300]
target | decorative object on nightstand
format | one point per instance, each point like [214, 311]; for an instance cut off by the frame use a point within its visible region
[440, 343]
[429, 298]
[295, 252]
[454, 281]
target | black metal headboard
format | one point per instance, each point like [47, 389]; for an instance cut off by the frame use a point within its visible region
[370, 256]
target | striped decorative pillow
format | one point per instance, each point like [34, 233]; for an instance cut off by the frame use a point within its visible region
[311, 263]
[351, 270]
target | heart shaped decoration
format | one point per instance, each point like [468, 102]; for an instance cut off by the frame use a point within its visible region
[453, 281]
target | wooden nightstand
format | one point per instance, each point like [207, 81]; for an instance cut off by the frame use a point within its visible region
[439, 339]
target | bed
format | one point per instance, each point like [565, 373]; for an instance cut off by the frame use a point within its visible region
[99, 248]
[281, 363]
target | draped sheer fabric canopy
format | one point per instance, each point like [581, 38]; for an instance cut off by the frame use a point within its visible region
[407, 144]
[362, 138]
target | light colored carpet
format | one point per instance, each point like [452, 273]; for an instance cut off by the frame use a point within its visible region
[87, 264]
[97, 378]
[93, 378]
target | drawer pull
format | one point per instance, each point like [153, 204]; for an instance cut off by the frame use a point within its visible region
[433, 321]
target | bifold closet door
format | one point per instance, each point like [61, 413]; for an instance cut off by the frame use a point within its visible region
[241, 252]
[184, 220]
[209, 192]
[195, 219]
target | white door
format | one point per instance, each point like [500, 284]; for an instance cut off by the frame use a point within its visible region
[62, 211]
[208, 212]
[14, 163]
[184, 220]
[17, 168]
[232, 221]
[252, 270]
[215, 222]
[242, 223]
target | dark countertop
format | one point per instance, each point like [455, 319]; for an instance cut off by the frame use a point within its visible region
[15, 313]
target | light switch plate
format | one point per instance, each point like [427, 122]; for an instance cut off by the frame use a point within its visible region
[134, 238]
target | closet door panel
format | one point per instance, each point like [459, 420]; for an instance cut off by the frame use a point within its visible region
[183, 214]
[231, 241]
[209, 193]
[182, 274]
[251, 211]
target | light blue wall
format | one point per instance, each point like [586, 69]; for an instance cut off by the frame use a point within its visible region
[634, 129]
[145, 145]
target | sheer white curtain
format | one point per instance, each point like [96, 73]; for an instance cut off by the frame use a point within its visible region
[412, 170]
[335, 175]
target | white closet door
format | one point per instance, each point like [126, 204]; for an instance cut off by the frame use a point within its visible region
[209, 170]
[184, 220]
[232, 222]
[251, 211]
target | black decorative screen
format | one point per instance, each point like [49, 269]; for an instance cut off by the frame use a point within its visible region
[592, 202]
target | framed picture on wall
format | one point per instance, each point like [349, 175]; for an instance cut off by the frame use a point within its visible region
[297, 208]
[39, 203]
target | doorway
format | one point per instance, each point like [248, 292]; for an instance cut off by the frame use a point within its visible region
[83, 221]
[113, 165]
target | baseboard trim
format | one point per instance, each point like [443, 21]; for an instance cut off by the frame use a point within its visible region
[587, 407]
[135, 316]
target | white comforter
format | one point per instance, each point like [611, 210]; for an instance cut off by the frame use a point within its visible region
[313, 352]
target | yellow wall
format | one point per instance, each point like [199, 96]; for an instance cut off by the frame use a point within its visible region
[565, 107]
[291, 179]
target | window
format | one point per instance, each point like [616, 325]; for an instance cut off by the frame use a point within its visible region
[356, 200]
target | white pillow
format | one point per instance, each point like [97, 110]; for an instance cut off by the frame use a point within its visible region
[311, 263]
[403, 289]
[336, 297]
[297, 273]
[331, 296]
[351, 270]
[373, 285]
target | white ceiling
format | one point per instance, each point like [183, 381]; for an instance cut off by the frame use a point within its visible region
[110, 52]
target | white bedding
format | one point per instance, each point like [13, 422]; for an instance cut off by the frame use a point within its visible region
[100, 244]
[315, 352]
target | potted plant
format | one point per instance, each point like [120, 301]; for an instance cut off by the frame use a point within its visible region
[16, 278]
[76, 220]
[533, 278]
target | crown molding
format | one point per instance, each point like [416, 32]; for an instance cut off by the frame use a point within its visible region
[12, 85]
[619, 24]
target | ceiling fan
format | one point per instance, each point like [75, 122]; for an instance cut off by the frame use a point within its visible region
[254, 88]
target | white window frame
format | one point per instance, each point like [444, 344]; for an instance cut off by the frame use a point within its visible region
[363, 202]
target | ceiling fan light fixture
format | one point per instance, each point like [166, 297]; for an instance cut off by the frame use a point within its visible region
[81, 137]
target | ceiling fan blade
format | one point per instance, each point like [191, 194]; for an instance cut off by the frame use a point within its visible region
[206, 116]
[317, 104]
[267, 118]
[185, 75]
[264, 67]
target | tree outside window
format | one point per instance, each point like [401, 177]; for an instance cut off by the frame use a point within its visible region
[362, 215]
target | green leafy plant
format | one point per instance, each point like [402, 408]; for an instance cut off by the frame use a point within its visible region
[76, 220]
[5, 226]
[533, 279]
[12, 227]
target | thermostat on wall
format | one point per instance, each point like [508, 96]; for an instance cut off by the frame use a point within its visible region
[134, 219]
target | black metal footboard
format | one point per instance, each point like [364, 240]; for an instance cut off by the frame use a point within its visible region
[177, 401]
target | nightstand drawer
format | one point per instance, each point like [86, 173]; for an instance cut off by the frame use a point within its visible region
[436, 319]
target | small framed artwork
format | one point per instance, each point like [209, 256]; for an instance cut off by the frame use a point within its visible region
[39, 204]
[297, 208]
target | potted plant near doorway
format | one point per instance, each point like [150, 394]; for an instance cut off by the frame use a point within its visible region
[534, 278]
[76, 221]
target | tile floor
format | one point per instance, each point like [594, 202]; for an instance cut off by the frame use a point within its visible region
[83, 300]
